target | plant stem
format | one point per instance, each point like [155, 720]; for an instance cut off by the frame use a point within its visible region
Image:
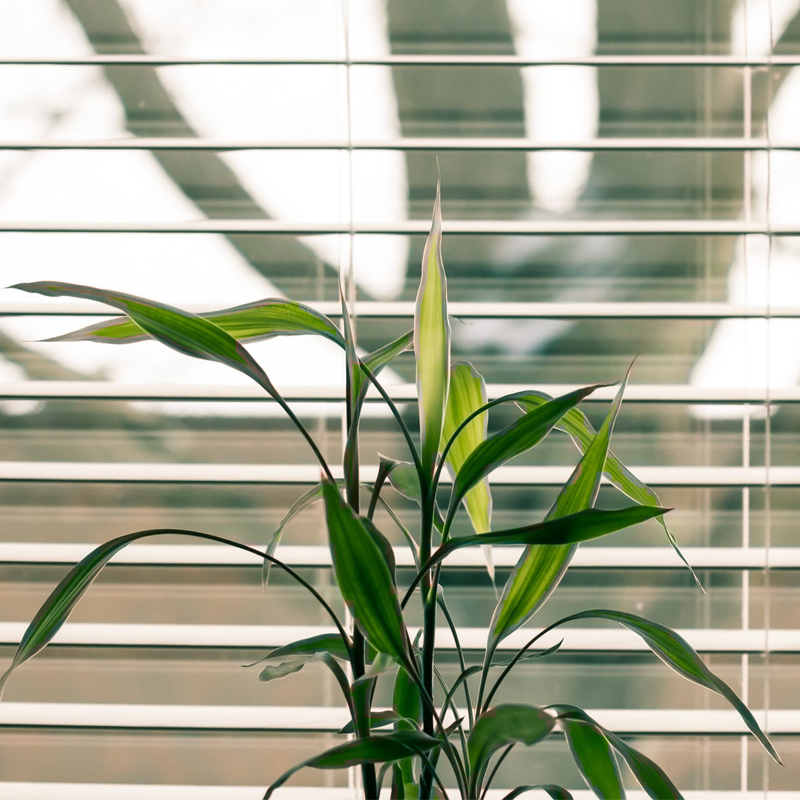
[429, 631]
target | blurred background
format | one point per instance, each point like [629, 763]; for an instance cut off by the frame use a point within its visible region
[618, 178]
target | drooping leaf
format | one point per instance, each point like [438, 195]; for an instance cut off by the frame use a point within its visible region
[651, 777]
[364, 578]
[502, 726]
[581, 527]
[678, 654]
[556, 792]
[322, 643]
[467, 394]
[254, 322]
[592, 754]
[580, 430]
[432, 341]
[517, 438]
[306, 499]
[375, 750]
[56, 609]
[540, 569]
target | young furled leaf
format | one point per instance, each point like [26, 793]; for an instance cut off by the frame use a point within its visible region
[432, 342]
[540, 569]
[467, 394]
[364, 577]
[254, 322]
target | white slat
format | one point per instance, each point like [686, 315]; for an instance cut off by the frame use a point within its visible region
[400, 392]
[369, 309]
[576, 640]
[90, 716]
[296, 474]
[551, 227]
[312, 557]
[405, 144]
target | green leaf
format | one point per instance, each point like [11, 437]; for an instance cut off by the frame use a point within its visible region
[253, 322]
[556, 792]
[377, 720]
[322, 643]
[273, 672]
[650, 776]
[540, 569]
[576, 425]
[467, 394]
[678, 654]
[592, 754]
[56, 609]
[304, 501]
[375, 750]
[432, 341]
[407, 705]
[581, 527]
[364, 578]
[517, 438]
[502, 726]
[350, 459]
[187, 333]
[378, 359]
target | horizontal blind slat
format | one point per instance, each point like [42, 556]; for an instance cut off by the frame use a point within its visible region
[314, 556]
[551, 227]
[404, 144]
[635, 393]
[686, 722]
[576, 640]
[468, 310]
[283, 474]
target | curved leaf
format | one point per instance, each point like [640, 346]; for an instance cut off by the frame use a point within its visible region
[377, 360]
[581, 527]
[56, 609]
[467, 394]
[592, 754]
[651, 777]
[556, 792]
[432, 341]
[540, 569]
[678, 654]
[330, 643]
[306, 499]
[364, 577]
[375, 750]
[576, 425]
[502, 726]
[254, 322]
[187, 333]
[520, 436]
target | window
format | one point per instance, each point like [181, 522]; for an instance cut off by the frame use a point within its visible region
[618, 177]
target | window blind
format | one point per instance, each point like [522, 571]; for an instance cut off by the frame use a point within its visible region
[618, 178]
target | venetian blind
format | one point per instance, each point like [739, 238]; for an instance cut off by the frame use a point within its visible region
[618, 178]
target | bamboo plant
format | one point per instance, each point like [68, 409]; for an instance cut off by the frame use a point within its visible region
[424, 735]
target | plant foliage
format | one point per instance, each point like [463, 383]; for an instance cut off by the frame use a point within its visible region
[425, 733]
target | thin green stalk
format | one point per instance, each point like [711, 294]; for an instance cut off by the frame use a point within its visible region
[461, 660]
[494, 771]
